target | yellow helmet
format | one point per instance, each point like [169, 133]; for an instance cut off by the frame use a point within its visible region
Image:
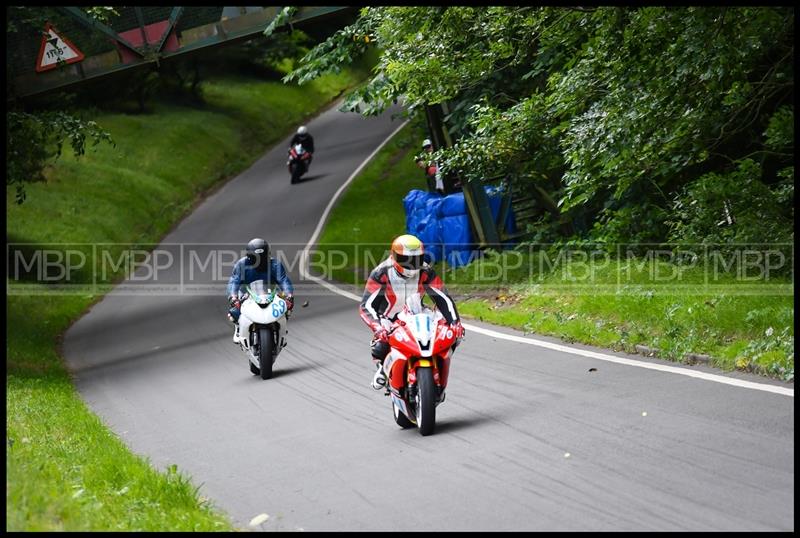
[407, 251]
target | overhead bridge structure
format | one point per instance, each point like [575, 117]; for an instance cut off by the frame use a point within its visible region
[65, 46]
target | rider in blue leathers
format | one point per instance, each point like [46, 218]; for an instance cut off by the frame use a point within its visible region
[256, 265]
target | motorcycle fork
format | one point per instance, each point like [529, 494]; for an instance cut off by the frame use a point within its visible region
[437, 364]
[411, 377]
[252, 336]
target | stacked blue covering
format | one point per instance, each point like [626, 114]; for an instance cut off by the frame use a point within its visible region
[442, 224]
[421, 220]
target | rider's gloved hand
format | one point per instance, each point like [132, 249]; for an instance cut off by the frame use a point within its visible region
[233, 301]
[458, 329]
[382, 335]
[289, 302]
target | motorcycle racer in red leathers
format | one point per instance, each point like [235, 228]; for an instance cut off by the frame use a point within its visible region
[389, 285]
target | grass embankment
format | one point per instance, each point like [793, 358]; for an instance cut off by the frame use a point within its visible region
[65, 469]
[729, 324]
[621, 305]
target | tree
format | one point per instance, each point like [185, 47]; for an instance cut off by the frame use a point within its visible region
[605, 109]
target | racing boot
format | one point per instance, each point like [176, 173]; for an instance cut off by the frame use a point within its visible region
[379, 379]
[236, 333]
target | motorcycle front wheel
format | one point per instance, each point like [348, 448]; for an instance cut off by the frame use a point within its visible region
[296, 171]
[265, 345]
[426, 401]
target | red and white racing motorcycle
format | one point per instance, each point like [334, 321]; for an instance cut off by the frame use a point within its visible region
[418, 364]
[298, 162]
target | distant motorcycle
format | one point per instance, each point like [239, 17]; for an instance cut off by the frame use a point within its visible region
[418, 365]
[262, 327]
[298, 162]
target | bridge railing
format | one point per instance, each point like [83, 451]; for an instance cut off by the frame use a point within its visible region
[135, 37]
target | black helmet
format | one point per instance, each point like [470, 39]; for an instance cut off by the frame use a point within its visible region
[258, 253]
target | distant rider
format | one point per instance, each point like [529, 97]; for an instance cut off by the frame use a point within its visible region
[390, 284]
[256, 265]
[305, 139]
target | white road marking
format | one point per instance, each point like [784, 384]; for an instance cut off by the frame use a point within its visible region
[324, 217]
[510, 337]
[631, 362]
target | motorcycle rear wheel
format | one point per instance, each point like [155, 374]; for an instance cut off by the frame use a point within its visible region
[253, 368]
[426, 401]
[265, 345]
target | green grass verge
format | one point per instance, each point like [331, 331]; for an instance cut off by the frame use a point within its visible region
[738, 326]
[65, 469]
[619, 307]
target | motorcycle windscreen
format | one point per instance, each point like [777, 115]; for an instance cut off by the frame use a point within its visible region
[423, 329]
[260, 292]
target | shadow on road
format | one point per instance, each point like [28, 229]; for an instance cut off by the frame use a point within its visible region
[459, 424]
[279, 371]
[312, 177]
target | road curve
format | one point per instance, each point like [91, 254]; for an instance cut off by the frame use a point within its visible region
[528, 439]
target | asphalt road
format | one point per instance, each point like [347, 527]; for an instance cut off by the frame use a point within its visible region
[528, 439]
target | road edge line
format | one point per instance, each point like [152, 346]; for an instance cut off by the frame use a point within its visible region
[322, 220]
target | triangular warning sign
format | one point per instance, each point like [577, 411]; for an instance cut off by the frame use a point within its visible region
[56, 50]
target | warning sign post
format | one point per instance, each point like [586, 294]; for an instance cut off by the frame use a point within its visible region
[56, 49]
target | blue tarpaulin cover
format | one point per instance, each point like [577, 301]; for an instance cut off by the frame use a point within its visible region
[442, 224]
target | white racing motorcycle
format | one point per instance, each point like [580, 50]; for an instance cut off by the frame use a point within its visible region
[262, 327]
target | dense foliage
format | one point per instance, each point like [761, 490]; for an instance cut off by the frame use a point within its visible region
[644, 123]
